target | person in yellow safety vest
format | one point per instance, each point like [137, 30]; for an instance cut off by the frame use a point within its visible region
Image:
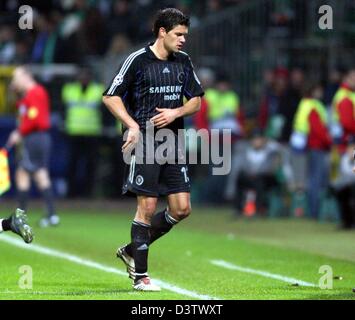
[82, 100]
[311, 133]
[223, 111]
[83, 126]
[344, 110]
[220, 109]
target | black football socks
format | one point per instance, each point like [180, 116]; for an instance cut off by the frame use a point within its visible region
[162, 223]
[6, 224]
[48, 199]
[139, 248]
[22, 199]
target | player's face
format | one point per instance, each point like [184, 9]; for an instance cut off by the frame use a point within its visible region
[175, 39]
[19, 76]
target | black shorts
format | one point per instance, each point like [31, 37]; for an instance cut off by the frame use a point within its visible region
[35, 151]
[156, 179]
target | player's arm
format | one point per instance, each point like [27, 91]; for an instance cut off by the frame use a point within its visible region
[119, 86]
[14, 139]
[115, 105]
[167, 116]
[189, 108]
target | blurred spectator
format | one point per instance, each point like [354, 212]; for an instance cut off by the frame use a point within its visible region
[333, 84]
[7, 44]
[119, 45]
[44, 30]
[277, 110]
[311, 133]
[344, 187]
[270, 117]
[223, 110]
[121, 20]
[220, 110]
[69, 39]
[344, 110]
[83, 122]
[22, 51]
[56, 39]
[290, 101]
[93, 34]
[213, 6]
[206, 76]
[257, 175]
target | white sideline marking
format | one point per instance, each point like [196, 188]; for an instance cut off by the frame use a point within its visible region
[92, 264]
[227, 265]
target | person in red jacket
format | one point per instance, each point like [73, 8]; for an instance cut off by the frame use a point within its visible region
[319, 143]
[344, 104]
[33, 133]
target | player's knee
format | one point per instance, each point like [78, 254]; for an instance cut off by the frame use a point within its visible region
[148, 208]
[42, 179]
[23, 181]
[182, 212]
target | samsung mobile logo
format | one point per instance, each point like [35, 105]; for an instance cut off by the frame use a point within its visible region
[165, 89]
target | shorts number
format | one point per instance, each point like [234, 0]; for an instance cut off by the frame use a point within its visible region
[184, 171]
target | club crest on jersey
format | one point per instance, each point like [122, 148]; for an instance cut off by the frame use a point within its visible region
[181, 77]
[139, 180]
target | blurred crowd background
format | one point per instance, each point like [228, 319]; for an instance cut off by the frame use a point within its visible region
[260, 61]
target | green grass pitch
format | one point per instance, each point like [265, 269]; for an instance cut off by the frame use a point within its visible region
[77, 259]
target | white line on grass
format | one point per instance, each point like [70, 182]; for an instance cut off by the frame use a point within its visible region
[228, 265]
[92, 264]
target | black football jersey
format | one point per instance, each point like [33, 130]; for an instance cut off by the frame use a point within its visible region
[145, 83]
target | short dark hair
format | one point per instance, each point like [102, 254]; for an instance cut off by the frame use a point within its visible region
[168, 19]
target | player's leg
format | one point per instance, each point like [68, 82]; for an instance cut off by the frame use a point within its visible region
[161, 223]
[39, 145]
[23, 184]
[179, 208]
[43, 182]
[177, 182]
[140, 233]
[140, 239]
[179, 205]
[141, 179]
[17, 223]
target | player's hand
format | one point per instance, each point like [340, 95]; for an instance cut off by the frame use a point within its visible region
[132, 139]
[165, 117]
[14, 139]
